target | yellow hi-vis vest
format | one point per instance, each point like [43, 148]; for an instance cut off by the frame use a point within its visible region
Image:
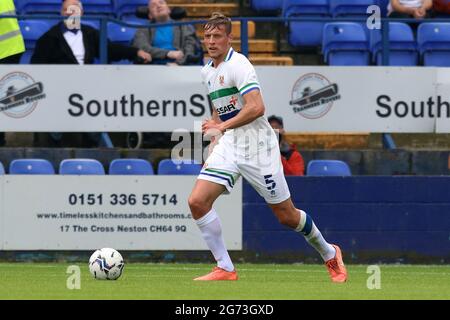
[11, 40]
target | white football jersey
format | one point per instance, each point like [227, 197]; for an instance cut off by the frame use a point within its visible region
[227, 84]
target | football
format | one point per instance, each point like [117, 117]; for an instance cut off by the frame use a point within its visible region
[106, 264]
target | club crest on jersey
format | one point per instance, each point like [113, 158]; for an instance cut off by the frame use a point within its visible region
[222, 80]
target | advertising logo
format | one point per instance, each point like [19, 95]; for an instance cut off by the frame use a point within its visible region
[313, 96]
[19, 94]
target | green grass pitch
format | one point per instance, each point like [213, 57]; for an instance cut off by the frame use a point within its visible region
[257, 281]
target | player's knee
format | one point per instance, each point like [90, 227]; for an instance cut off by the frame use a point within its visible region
[198, 207]
[193, 202]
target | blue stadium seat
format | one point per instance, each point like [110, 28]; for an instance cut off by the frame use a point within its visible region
[98, 7]
[39, 6]
[127, 8]
[402, 45]
[383, 6]
[433, 39]
[136, 21]
[328, 168]
[350, 8]
[25, 58]
[267, 5]
[31, 166]
[32, 30]
[120, 33]
[305, 33]
[168, 167]
[2, 169]
[345, 44]
[81, 167]
[91, 23]
[18, 5]
[130, 167]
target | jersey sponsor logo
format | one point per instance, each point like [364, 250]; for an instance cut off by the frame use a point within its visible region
[313, 96]
[222, 80]
[230, 107]
[226, 109]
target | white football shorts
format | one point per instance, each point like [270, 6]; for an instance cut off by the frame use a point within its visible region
[262, 169]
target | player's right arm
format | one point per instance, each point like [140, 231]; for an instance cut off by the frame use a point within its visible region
[215, 116]
[214, 135]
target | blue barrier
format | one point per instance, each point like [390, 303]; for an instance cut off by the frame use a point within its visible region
[385, 218]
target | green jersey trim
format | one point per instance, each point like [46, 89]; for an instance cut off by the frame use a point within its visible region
[223, 93]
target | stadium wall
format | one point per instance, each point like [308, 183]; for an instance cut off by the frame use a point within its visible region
[379, 219]
[375, 219]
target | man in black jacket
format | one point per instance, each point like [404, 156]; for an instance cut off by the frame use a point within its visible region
[67, 43]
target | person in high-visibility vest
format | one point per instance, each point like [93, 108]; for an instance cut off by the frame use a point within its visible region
[11, 41]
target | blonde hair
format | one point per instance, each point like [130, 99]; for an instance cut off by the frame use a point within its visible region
[218, 19]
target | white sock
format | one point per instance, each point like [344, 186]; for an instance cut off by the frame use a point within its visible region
[314, 237]
[211, 230]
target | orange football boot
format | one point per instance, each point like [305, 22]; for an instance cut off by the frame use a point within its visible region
[336, 267]
[218, 274]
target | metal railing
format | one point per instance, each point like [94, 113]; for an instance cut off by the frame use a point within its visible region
[244, 27]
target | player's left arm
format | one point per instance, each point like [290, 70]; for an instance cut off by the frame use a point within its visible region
[253, 109]
[211, 130]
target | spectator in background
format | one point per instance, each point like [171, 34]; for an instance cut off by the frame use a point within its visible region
[293, 163]
[70, 44]
[418, 9]
[441, 7]
[175, 45]
[67, 43]
[11, 41]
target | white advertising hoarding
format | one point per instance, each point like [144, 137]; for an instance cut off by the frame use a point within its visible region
[443, 91]
[101, 98]
[345, 99]
[161, 98]
[122, 212]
